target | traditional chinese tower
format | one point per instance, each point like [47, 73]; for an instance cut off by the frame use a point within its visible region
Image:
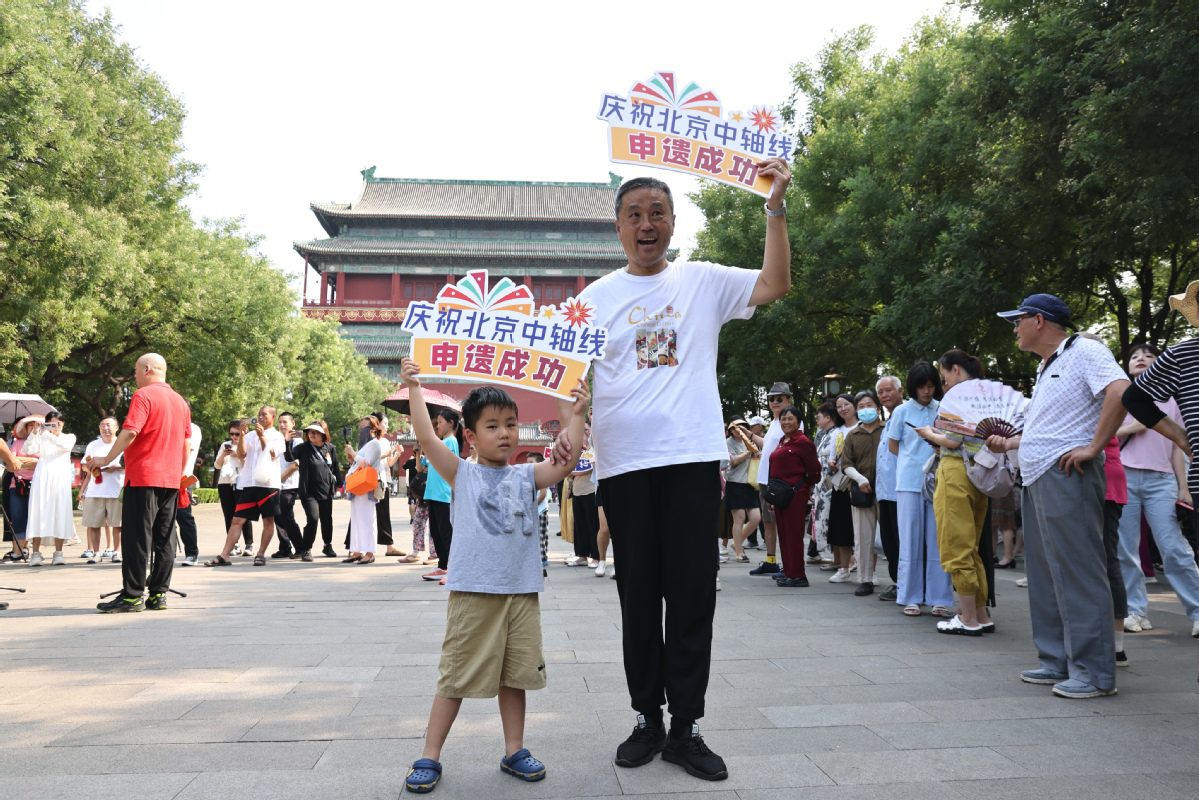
[405, 238]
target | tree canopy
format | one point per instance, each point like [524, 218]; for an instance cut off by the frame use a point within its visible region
[101, 261]
[1044, 146]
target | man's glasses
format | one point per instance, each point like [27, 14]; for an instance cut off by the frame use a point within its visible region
[235, 435]
[777, 398]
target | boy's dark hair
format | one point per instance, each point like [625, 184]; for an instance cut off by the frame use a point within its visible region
[829, 410]
[481, 398]
[643, 183]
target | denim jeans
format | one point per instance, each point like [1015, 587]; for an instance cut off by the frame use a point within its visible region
[1155, 493]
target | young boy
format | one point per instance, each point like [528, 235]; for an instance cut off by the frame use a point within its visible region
[492, 640]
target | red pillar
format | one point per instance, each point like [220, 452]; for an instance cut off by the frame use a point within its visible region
[323, 300]
[580, 284]
[339, 296]
[395, 290]
[304, 296]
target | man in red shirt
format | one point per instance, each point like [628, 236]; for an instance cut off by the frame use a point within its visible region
[154, 440]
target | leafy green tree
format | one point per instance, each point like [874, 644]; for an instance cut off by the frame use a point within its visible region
[100, 261]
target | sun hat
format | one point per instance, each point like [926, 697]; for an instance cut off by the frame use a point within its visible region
[1187, 303]
[756, 421]
[315, 428]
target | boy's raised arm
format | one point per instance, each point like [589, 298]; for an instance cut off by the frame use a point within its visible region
[547, 473]
[440, 456]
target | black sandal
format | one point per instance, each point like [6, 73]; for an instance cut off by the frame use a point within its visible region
[351, 560]
[219, 561]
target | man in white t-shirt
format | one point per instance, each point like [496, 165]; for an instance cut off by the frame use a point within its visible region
[261, 453]
[658, 421]
[101, 499]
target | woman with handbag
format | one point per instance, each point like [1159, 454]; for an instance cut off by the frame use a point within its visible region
[960, 509]
[740, 492]
[858, 461]
[363, 523]
[840, 517]
[319, 476]
[793, 462]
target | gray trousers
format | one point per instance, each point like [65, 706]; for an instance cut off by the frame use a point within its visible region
[1070, 601]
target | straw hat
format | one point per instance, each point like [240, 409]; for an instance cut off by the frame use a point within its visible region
[737, 421]
[1186, 303]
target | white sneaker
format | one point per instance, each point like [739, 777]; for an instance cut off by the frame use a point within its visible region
[1146, 625]
[575, 561]
[88, 554]
[57, 560]
[612, 574]
[1022, 583]
[722, 550]
[35, 559]
[116, 557]
[1195, 630]
[601, 569]
[1132, 624]
[592, 563]
[723, 559]
[840, 576]
[718, 583]
[106, 554]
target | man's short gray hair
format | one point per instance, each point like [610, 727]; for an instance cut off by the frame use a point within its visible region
[896, 382]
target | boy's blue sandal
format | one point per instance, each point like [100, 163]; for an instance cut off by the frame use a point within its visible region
[523, 765]
[423, 775]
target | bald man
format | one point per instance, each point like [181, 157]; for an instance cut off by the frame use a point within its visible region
[154, 439]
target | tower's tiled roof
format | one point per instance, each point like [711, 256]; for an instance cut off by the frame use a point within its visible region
[391, 198]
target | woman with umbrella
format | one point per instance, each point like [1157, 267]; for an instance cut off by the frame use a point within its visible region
[50, 495]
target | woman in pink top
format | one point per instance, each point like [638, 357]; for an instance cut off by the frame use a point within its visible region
[1156, 482]
[1114, 499]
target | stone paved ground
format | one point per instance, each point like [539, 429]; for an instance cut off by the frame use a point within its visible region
[313, 681]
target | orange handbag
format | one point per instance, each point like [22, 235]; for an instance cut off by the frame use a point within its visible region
[362, 481]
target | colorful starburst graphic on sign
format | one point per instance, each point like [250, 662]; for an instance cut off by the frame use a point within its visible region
[660, 91]
[471, 293]
[576, 312]
[765, 119]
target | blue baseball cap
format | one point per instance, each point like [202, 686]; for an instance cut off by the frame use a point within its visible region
[1048, 306]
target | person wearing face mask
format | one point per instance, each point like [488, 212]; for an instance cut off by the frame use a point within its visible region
[858, 461]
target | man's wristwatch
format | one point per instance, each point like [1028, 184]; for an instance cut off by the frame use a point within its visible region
[770, 212]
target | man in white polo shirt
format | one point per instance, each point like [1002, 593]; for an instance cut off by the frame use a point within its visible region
[1075, 410]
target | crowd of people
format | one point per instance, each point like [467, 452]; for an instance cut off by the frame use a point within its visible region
[1084, 482]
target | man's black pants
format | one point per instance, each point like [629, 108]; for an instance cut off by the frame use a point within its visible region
[586, 525]
[285, 520]
[663, 524]
[314, 511]
[441, 530]
[187, 532]
[383, 520]
[148, 525]
[888, 531]
[227, 492]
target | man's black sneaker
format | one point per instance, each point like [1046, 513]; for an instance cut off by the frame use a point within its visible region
[282, 552]
[329, 551]
[120, 604]
[793, 583]
[766, 568]
[890, 595]
[690, 752]
[646, 741]
[1122, 659]
[864, 589]
[157, 602]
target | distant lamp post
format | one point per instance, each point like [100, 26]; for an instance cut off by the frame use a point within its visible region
[832, 384]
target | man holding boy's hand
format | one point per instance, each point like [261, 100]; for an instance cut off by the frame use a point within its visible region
[492, 643]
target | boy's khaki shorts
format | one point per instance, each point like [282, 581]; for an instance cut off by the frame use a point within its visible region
[491, 640]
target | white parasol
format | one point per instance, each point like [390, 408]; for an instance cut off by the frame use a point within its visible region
[16, 406]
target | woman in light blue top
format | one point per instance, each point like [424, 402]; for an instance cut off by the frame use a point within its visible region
[438, 494]
[921, 580]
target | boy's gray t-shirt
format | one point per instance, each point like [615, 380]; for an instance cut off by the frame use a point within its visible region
[496, 545]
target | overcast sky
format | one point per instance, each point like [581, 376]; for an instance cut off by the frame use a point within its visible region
[288, 101]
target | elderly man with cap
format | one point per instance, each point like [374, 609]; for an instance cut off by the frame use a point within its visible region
[1173, 375]
[1075, 410]
[778, 398]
